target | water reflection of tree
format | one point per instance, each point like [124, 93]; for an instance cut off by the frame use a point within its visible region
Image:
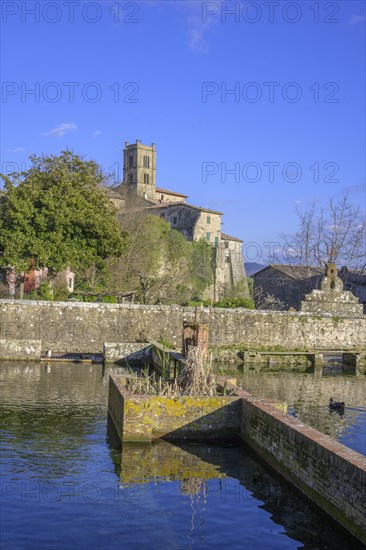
[299, 519]
[50, 439]
[193, 487]
[197, 491]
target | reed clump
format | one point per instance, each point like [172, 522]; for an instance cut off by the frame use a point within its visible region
[196, 378]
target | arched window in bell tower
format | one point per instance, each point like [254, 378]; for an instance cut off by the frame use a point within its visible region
[130, 178]
[146, 178]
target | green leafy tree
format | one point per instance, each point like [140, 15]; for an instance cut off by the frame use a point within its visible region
[237, 297]
[202, 265]
[159, 262]
[57, 214]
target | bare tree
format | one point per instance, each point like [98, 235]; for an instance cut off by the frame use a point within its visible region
[265, 300]
[335, 234]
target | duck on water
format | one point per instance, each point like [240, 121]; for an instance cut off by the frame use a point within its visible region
[337, 406]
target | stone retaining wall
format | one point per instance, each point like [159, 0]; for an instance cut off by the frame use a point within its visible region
[84, 327]
[20, 349]
[144, 418]
[115, 351]
[329, 473]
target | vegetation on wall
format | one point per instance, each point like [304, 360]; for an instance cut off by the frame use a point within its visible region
[234, 298]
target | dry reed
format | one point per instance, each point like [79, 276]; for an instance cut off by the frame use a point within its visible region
[195, 379]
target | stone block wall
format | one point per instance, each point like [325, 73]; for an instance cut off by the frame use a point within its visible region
[20, 349]
[67, 327]
[115, 351]
[330, 474]
[145, 418]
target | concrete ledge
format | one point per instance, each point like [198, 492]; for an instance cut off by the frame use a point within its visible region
[165, 361]
[292, 360]
[20, 349]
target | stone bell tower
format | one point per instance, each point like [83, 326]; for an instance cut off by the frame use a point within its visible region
[139, 170]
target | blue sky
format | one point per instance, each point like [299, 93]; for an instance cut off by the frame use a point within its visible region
[102, 73]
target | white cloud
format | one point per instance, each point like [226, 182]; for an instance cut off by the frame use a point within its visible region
[60, 130]
[354, 20]
[197, 39]
[96, 133]
[198, 23]
[16, 150]
[193, 16]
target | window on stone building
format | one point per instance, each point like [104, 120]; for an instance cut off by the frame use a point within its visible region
[130, 178]
[227, 259]
[226, 244]
[161, 197]
[162, 216]
[70, 282]
[208, 236]
[216, 242]
[146, 161]
[130, 160]
[146, 178]
[208, 219]
[175, 220]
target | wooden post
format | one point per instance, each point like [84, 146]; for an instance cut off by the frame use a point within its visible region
[196, 335]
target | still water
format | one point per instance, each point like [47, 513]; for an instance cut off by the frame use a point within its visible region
[66, 484]
[307, 396]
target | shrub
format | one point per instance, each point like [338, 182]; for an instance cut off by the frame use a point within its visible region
[229, 302]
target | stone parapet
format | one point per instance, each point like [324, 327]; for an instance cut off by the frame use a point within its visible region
[329, 473]
[125, 351]
[76, 327]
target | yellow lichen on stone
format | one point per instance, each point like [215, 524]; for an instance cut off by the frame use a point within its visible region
[281, 407]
